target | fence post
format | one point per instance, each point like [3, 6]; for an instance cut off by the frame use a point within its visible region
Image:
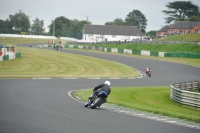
[192, 85]
[181, 86]
[186, 86]
[177, 86]
[199, 85]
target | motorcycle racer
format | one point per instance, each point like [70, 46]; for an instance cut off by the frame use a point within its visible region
[148, 71]
[102, 87]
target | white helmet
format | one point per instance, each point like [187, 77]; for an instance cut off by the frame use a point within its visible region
[107, 82]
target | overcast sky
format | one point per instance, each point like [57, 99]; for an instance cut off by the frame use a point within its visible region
[98, 11]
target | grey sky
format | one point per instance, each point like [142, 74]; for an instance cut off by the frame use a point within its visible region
[98, 11]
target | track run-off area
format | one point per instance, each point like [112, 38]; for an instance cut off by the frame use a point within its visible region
[48, 105]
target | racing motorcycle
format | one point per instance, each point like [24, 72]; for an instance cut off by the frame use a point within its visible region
[148, 72]
[97, 101]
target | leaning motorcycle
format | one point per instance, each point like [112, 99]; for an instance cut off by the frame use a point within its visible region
[97, 101]
[148, 73]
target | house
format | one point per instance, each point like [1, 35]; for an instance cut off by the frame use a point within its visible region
[100, 33]
[180, 27]
[163, 31]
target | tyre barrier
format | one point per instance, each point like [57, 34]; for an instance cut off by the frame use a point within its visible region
[40, 46]
[10, 56]
[182, 93]
[138, 52]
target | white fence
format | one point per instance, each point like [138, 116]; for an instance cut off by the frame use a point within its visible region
[27, 36]
[181, 92]
[37, 36]
[144, 52]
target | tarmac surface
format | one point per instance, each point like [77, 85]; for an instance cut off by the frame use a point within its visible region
[48, 105]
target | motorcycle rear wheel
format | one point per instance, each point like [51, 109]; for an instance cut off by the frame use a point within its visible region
[96, 102]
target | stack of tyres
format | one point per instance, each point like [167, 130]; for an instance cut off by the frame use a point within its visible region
[108, 49]
[5, 57]
[66, 46]
[193, 55]
[136, 52]
[183, 55]
[153, 53]
[120, 50]
[96, 48]
[17, 55]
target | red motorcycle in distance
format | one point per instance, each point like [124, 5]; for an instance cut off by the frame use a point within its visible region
[148, 72]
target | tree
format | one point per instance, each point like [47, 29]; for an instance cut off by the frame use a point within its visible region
[20, 21]
[68, 28]
[109, 23]
[62, 25]
[194, 18]
[136, 18]
[79, 30]
[74, 29]
[3, 26]
[151, 33]
[117, 21]
[180, 11]
[37, 26]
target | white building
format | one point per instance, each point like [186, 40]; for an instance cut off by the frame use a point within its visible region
[101, 33]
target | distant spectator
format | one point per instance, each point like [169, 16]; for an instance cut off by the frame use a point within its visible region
[162, 38]
[57, 46]
[54, 46]
[61, 46]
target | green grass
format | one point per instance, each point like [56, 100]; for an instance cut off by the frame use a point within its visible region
[192, 48]
[183, 37]
[188, 61]
[41, 63]
[152, 99]
[14, 41]
[46, 63]
[196, 90]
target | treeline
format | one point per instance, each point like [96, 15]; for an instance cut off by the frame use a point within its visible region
[20, 23]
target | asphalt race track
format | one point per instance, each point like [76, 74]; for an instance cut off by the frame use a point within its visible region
[44, 106]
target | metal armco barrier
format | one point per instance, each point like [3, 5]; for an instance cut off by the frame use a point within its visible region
[181, 92]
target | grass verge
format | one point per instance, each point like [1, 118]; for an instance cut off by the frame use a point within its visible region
[41, 63]
[183, 37]
[189, 61]
[191, 48]
[16, 40]
[44, 63]
[152, 99]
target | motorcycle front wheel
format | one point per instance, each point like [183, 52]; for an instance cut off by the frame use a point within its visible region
[86, 104]
[96, 102]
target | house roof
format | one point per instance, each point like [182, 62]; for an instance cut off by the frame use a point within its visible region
[185, 24]
[112, 30]
[180, 25]
[164, 29]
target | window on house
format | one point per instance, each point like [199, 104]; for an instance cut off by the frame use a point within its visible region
[90, 35]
